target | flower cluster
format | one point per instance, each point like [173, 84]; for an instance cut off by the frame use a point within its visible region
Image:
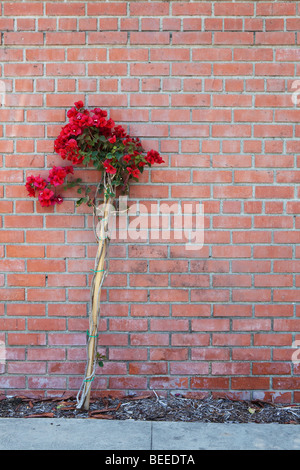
[46, 195]
[90, 137]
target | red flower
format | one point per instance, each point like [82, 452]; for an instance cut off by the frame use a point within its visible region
[58, 199]
[119, 131]
[110, 124]
[154, 157]
[127, 158]
[30, 185]
[127, 140]
[46, 198]
[109, 168]
[133, 171]
[112, 140]
[76, 159]
[39, 183]
[79, 104]
[70, 150]
[76, 130]
[33, 183]
[57, 174]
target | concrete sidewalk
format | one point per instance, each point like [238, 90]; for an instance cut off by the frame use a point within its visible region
[92, 434]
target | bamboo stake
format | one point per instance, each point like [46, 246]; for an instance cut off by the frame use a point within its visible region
[98, 278]
[93, 330]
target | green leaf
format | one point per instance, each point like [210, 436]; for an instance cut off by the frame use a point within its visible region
[119, 155]
[86, 159]
[73, 183]
[81, 201]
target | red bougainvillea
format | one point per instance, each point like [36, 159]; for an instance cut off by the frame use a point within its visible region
[90, 137]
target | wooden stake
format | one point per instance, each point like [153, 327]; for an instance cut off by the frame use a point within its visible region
[94, 315]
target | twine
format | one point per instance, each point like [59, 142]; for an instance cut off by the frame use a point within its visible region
[92, 336]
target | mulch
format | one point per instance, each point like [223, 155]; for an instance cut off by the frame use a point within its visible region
[151, 407]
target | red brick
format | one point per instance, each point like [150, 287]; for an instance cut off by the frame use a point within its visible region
[223, 368]
[251, 295]
[232, 310]
[276, 9]
[273, 38]
[210, 295]
[107, 9]
[233, 38]
[65, 69]
[191, 9]
[46, 324]
[273, 310]
[128, 383]
[24, 38]
[210, 383]
[26, 280]
[12, 70]
[149, 69]
[126, 55]
[143, 38]
[65, 38]
[146, 9]
[23, 9]
[106, 69]
[62, 9]
[30, 339]
[250, 383]
[192, 38]
[12, 382]
[236, 9]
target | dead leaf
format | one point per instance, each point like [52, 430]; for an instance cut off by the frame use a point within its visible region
[66, 408]
[101, 416]
[102, 410]
[251, 410]
[141, 397]
[41, 415]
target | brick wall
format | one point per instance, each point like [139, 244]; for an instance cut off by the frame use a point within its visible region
[213, 86]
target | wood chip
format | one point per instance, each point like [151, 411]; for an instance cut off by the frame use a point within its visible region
[141, 397]
[103, 410]
[101, 416]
